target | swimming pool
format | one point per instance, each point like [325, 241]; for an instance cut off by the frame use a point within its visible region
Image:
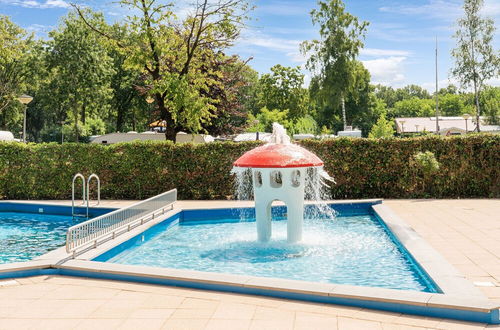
[25, 235]
[355, 248]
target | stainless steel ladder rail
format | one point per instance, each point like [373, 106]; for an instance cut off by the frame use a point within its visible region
[78, 175]
[93, 175]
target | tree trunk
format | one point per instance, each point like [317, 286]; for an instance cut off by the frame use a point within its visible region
[171, 129]
[76, 125]
[120, 119]
[478, 110]
[342, 102]
[84, 117]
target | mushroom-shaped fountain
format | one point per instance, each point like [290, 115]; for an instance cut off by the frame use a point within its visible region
[278, 173]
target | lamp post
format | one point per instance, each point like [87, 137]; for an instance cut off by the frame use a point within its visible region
[150, 100]
[402, 127]
[25, 99]
[416, 127]
[466, 116]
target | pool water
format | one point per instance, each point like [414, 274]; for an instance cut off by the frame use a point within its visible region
[354, 249]
[24, 236]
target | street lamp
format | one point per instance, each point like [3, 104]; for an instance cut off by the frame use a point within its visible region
[25, 99]
[402, 127]
[466, 116]
[150, 100]
[416, 127]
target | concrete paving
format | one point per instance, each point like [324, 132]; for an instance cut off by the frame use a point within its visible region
[465, 232]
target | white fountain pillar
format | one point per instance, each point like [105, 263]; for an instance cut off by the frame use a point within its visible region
[283, 184]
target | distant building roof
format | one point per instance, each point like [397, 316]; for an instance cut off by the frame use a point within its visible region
[132, 136]
[420, 124]
[261, 136]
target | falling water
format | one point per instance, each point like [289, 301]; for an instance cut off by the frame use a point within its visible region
[317, 181]
[317, 193]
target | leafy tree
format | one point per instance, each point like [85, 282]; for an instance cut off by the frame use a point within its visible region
[450, 89]
[375, 108]
[263, 121]
[15, 45]
[128, 107]
[334, 55]
[305, 125]
[236, 84]
[490, 103]
[175, 56]
[411, 91]
[475, 59]
[413, 107]
[387, 94]
[282, 89]
[453, 105]
[382, 129]
[81, 70]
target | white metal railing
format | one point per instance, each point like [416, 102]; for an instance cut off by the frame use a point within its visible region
[98, 191]
[77, 175]
[98, 230]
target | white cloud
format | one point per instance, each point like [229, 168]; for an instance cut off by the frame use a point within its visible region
[447, 10]
[431, 86]
[38, 4]
[289, 47]
[440, 9]
[383, 52]
[386, 71]
[283, 8]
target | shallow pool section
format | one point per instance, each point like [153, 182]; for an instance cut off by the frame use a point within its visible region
[355, 248]
[25, 235]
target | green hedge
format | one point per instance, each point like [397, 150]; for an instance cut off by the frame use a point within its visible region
[363, 168]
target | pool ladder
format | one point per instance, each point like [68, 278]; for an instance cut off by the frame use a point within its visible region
[85, 197]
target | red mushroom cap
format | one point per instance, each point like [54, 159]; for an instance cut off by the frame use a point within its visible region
[278, 156]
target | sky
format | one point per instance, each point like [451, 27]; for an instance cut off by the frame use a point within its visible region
[399, 46]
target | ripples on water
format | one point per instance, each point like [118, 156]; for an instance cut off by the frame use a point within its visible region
[348, 250]
[24, 236]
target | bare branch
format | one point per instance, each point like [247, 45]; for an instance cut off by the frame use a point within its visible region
[93, 28]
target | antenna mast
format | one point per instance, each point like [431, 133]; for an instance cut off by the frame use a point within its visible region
[437, 98]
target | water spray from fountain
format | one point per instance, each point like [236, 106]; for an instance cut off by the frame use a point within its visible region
[283, 171]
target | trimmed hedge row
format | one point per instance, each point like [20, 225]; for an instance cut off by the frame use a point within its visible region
[362, 168]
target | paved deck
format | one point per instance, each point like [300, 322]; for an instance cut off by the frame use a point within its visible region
[465, 232]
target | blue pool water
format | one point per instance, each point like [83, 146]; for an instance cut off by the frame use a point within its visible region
[355, 249]
[24, 236]
[25, 233]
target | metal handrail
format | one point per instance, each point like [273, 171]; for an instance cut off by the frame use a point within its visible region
[93, 175]
[93, 232]
[78, 175]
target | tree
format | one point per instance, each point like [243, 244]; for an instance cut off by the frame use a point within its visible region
[333, 56]
[375, 108]
[490, 103]
[81, 70]
[236, 84]
[413, 107]
[175, 56]
[410, 91]
[475, 59]
[382, 129]
[263, 121]
[386, 94]
[15, 45]
[359, 102]
[282, 89]
[452, 105]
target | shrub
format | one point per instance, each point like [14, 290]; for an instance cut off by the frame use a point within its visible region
[427, 162]
[362, 168]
